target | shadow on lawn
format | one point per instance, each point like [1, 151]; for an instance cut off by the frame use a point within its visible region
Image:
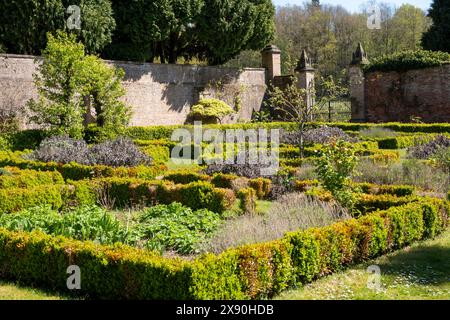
[426, 264]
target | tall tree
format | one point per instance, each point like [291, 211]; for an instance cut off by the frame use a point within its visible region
[227, 27]
[438, 36]
[25, 23]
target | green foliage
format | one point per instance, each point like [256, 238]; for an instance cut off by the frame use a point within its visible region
[156, 29]
[442, 159]
[159, 153]
[209, 111]
[408, 60]
[334, 168]
[26, 23]
[75, 171]
[185, 177]
[396, 190]
[69, 82]
[262, 186]
[174, 227]
[82, 223]
[189, 29]
[247, 197]
[404, 141]
[58, 107]
[28, 178]
[437, 37]
[365, 203]
[101, 84]
[227, 27]
[255, 271]
[223, 180]
[16, 199]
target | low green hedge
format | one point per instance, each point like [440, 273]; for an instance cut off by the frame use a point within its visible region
[126, 192]
[185, 176]
[75, 171]
[21, 140]
[371, 202]
[16, 199]
[404, 141]
[248, 272]
[396, 190]
[30, 139]
[16, 178]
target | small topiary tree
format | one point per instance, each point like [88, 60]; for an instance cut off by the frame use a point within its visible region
[210, 111]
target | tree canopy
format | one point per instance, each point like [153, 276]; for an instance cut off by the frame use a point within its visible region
[25, 23]
[437, 38]
[213, 30]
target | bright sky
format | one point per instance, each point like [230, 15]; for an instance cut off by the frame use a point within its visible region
[354, 5]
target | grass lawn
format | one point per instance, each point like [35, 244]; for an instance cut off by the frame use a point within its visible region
[421, 271]
[10, 291]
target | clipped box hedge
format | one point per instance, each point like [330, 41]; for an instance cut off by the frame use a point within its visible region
[248, 272]
[16, 178]
[75, 171]
[126, 192]
[16, 199]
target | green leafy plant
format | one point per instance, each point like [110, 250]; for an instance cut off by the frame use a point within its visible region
[210, 111]
[334, 168]
[70, 83]
[176, 227]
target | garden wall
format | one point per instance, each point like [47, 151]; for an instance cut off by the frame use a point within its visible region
[399, 96]
[160, 94]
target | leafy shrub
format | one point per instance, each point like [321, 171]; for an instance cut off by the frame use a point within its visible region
[121, 152]
[63, 149]
[262, 187]
[116, 153]
[320, 135]
[247, 197]
[442, 159]
[408, 60]
[334, 170]
[83, 223]
[223, 180]
[24, 139]
[175, 227]
[209, 111]
[16, 178]
[9, 119]
[75, 171]
[16, 199]
[185, 177]
[427, 150]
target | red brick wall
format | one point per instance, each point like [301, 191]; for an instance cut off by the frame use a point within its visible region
[394, 96]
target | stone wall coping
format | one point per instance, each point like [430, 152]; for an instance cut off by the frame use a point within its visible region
[23, 56]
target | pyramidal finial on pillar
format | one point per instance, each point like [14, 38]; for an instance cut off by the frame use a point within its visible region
[304, 63]
[359, 56]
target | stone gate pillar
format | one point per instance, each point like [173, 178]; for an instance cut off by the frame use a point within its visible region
[271, 61]
[357, 84]
[305, 77]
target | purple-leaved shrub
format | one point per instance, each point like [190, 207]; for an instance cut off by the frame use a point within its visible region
[115, 153]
